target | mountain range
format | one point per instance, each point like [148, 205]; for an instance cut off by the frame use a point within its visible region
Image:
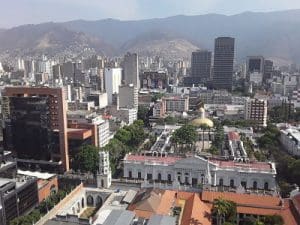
[274, 35]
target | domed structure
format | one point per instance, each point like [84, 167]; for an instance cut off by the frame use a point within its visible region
[202, 121]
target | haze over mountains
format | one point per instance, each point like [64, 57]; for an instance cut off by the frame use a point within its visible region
[274, 34]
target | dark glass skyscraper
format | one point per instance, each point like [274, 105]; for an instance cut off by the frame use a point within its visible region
[223, 63]
[201, 65]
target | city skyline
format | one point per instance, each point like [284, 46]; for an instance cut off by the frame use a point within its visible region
[34, 11]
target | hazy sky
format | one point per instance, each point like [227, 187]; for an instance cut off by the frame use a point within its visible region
[16, 12]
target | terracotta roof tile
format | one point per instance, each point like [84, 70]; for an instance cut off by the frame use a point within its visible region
[255, 204]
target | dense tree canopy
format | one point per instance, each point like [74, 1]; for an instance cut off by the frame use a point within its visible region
[127, 139]
[87, 160]
[185, 135]
[143, 114]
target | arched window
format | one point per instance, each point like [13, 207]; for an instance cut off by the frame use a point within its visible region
[254, 184]
[244, 184]
[186, 181]
[90, 200]
[221, 182]
[98, 201]
[139, 175]
[130, 174]
[159, 176]
[102, 183]
[169, 177]
[82, 203]
[266, 186]
[232, 183]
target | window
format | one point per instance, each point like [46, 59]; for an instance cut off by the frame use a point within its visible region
[266, 186]
[244, 184]
[255, 185]
[194, 182]
[186, 180]
[221, 182]
[232, 183]
[130, 174]
[139, 175]
[159, 176]
[149, 176]
[169, 177]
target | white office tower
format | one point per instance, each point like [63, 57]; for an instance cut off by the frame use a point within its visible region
[21, 65]
[131, 69]
[104, 175]
[128, 96]
[68, 92]
[113, 78]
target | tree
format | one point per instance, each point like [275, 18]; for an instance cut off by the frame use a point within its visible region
[273, 220]
[185, 135]
[143, 114]
[170, 120]
[224, 211]
[127, 139]
[87, 160]
[123, 135]
[213, 150]
[219, 135]
[157, 96]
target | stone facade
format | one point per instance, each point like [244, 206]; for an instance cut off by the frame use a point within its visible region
[195, 171]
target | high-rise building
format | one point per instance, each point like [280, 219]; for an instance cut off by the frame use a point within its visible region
[57, 71]
[35, 127]
[256, 110]
[223, 63]
[268, 69]
[255, 69]
[128, 96]
[255, 64]
[113, 78]
[131, 70]
[201, 65]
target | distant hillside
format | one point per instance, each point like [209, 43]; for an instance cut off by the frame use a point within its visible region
[274, 34]
[48, 38]
[164, 44]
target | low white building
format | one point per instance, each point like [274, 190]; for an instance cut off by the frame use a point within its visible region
[256, 78]
[127, 115]
[290, 139]
[174, 172]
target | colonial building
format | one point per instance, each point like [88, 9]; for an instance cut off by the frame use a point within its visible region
[194, 171]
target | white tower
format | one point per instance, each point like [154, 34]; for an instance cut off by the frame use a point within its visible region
[104, 175]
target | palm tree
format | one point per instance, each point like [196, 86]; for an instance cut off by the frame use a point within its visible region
[224, 210]
[220, 210]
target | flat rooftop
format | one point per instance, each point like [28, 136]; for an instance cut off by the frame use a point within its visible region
[143, 158]
[39, 175]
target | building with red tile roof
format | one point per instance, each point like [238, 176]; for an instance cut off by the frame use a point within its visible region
[255, 205]
[187, 207]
